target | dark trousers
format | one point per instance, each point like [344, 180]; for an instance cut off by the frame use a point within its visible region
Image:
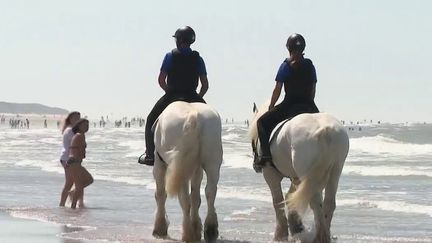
[159, 107]
[285, 110]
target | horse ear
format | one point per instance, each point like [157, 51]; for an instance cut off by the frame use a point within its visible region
[255, 109]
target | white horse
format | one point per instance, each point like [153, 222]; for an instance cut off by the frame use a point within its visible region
[310, 149]
[188, 141]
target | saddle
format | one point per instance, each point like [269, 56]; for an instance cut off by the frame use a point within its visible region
[277, 129]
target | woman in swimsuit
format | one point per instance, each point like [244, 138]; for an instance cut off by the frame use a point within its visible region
[70, 120]
[81, 177]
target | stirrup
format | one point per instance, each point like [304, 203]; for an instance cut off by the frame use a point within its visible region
[257, 167]
[264, 159]
[146, 159]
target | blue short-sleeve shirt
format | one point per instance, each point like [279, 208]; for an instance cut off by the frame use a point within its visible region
[285, 71]
[167, 62]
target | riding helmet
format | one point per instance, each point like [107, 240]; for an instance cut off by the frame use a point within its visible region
[296, 42]
[185, 35]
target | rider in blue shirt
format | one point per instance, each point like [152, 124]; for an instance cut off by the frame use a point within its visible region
[167, 61]
[298, 77]
[181, 71]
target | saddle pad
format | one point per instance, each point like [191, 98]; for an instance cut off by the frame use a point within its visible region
[154, 125]
[278, 128]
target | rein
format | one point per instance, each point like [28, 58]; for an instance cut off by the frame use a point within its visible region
[160, 157]
[254, 144]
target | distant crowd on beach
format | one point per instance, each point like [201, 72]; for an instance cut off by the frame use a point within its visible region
[357, 126]
[16, 123]
[24, 123]
[124, 122]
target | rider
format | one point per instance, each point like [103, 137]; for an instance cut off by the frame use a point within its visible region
[297, 75]
[181, 69]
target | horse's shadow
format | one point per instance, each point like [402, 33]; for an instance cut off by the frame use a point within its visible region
[172, 240]
[216, 241]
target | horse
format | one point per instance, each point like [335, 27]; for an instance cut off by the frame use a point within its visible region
[188, 141]
[310, 149]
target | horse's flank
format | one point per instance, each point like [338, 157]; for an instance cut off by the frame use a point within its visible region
[183, 155]
[327, 149]
[188, 141]
[180, 129]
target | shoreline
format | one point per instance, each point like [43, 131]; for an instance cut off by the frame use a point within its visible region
[17, 229]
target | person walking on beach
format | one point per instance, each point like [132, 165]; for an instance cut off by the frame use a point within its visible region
[69, 121]
[81, 177]
[181, 70]
[298, 77]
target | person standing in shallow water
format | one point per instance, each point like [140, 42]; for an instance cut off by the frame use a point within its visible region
[81, 177]
[298, 77]
[182, 69]
[70, 120]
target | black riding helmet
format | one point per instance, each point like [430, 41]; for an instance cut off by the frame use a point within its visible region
[185, 35]
[296, 42]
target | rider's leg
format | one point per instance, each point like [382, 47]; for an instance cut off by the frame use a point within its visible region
[265, 125]
[267, 122]
[151, 118]
[193, 97]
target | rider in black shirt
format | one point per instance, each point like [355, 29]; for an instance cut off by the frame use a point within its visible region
[297, 75]
[180, 73]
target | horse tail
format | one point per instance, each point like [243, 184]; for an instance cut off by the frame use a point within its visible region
[316, 179]
[184, 156]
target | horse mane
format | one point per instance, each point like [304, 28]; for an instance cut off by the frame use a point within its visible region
[253, 130]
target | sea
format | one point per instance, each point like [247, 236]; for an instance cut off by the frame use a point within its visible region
[384, 194]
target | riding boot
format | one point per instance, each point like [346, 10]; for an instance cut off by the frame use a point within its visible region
[150, 148]
[265, 156]
[148, 157]
[162, 103]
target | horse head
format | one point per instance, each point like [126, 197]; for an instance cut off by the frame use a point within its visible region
[253, 130]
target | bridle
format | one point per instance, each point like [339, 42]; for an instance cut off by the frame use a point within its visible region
[254, 144]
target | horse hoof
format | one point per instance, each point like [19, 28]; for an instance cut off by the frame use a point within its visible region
[160, 233]
[281, 234]
[297, 228]
[280, 238]
[197, 230]
[211, 233]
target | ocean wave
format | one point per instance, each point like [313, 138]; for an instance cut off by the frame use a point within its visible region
[244, 194]
[45, 215]
[133, 144]
[17, 143]
[135, 148]
[230, 129]
[124, 179]
[49, 140]
[388, 170]
[230, 136]
[394, 206]
[238, 161]
[238, 215]
[371, 238]
[48, 166]
[383, 145]
[55, 167]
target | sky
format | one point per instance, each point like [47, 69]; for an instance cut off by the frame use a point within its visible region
[102, 57]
